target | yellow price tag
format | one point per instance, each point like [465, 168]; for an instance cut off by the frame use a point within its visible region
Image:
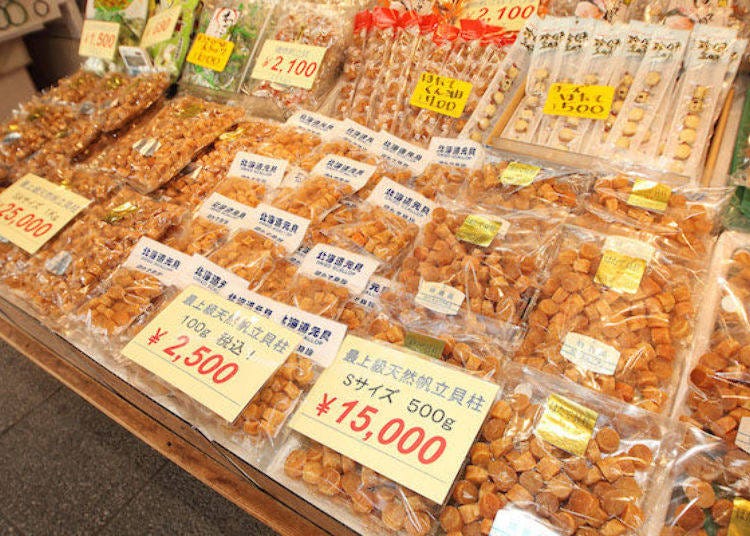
[567, 425]
[99, 39]
[210, 52]
[424, 344]
[161, 26]
[481, 231]
[288, 63]
[441, 94]
[739, 524]
[623, 263]
[217, 352]
[408, 418]
[33, 210]
[575, 100]
[509, 14]
[650, 195]
[519, 174]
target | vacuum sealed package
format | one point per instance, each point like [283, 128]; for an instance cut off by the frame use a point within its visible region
[74, 88]
[553, 459]
[249, 255]
[237, 27]
[313, 38]
[706, 490]
[682, 218]
[168, 51]
[544, 67]
[688, 134]
[121, 98]
[313, 199]
[154, 153]
[614, 314]
[715, 397]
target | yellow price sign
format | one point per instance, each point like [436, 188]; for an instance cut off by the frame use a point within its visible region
[210, 52]
[441, 94]
[215, 351]
[33, 210]
[650, 195]
[406, 417]
[99, 39]
[576, 100]
[161, 26]
[291, 64]
[509, 14]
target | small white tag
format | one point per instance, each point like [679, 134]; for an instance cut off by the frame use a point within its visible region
[263, 169]
[215, 278]
[252, 300]
[59, 264]
[351, 172]
[402, 201]
[312, 122]
[440, 298]
[167, 264]
[137, 60]
[514, 522]
[227, 212]
[359, 136]
[339, 266]
[370, 298]
[299, 255]
[629, 247]
[280, 226]
[402, 154]
[461, 153]
[222, 21]
[590, 354]
[322, 337]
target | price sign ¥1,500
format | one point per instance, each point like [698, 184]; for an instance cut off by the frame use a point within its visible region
[406, 417]
[99, 39]
[217, 352]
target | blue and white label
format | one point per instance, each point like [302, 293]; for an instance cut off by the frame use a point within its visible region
[358, 135]
[166, 264]
[439, 297]
[339, 266]
[401, 153]
[402, 201]
[225, 211]
[316, 123]
[462, 153]
[263, 169]
[370, 298]
[345, 170]
[282, 227]
[215, 278]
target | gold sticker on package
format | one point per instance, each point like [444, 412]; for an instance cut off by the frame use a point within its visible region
[650, 195]
[623, 264]
[481, 231]
[739, 525]
[567, 425]
[424, 344]
[519, 174]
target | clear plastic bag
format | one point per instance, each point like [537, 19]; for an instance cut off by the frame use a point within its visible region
[613, 314]
[313, 199]
[249, 255]
[356, 53]
[168, 56]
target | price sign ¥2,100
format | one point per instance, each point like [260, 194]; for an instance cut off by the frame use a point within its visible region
[406, 417]
[33, 210]
[217, 352]
[288, 63]
[99, 39]
[511, 15]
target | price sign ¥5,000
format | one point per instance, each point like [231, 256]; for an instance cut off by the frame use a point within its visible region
[406, 417]
[291, 64]
[33, 210]
[99, 39]
[511, 15]
[447, 96]
[575, 100]
[215, 351]
[210, 52]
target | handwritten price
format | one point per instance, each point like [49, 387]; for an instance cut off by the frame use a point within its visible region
[296, 66]
[394, 432]
[101, 40]
[498, 14]
[27, 222]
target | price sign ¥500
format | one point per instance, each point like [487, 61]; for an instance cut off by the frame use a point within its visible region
[404, 416]
[215, 351]
[575, 100]
[99, 39]
[291, 64]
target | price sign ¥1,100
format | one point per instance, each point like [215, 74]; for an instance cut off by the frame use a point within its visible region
[406, 417]
[511, 15]
[217, 352]
[288, 63]
[33, 210]
[210, 52]
[99, 39]
[441, 94]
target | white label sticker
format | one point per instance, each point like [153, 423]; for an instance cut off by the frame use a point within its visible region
[136, 60]
[743, 435]
[214, 277]
[312, 122]
[339, 266]
[514, 522]
[731, 303]
[342, 169]
[358, 135]
[263, 169]
[223, 19]
[280, 226]
[168, 265]
[440, 298]
[461, 153]
[299, 255]
[227, 212]
[402, 201]
[590, 354]
[629, 247]
[370, 298]
[252, 300]
[401, 153]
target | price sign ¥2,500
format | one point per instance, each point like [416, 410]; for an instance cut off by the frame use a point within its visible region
[406, 417]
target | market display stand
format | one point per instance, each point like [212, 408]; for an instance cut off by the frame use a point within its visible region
[173, 438]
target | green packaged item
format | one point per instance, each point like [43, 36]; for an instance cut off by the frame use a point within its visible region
[131, 15]
[238, 22]
[741, 154]
[168, 55]
[737, 214]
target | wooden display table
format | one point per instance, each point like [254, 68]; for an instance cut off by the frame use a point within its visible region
[245, 486]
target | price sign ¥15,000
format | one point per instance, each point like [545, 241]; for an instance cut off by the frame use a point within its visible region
[33, 210]
[99, 39]
[291, 64]
[215, 351]
[406, 417]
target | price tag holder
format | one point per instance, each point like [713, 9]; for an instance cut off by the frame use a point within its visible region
[33, 210]
[288, 63]
[215, 351]
[441, 94]
[99, 39]
[575, 100]
[511, 15]
[210, 52]
[403, 416]
[161, 26]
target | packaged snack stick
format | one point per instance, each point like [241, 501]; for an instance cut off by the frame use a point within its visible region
[356, 54]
